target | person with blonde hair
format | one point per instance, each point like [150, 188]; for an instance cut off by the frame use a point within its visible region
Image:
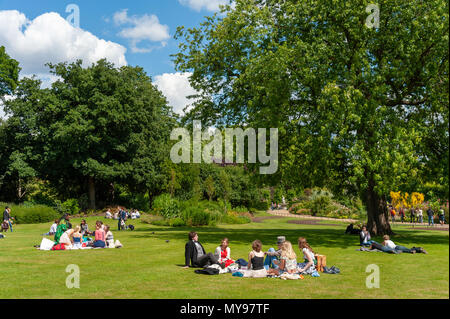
[66, 238]
[288, 260]
[77, 238]
[308, 266]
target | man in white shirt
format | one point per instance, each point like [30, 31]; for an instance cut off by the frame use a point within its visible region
[52, 229]
[108, 214]
[138, 215]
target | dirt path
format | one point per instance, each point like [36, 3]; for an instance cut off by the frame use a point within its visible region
[285, 213]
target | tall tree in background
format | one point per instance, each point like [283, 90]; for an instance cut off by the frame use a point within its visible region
[358, 105]
[95, 126]
[9, 73]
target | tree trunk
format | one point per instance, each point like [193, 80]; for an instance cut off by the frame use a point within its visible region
[377, 213]
[91, 182]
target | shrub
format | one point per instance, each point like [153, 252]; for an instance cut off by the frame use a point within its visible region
[193, 216]
[70, 206]
[177, 222]
[32, 214]
[234, 218]
[260, 205]
[166, 206]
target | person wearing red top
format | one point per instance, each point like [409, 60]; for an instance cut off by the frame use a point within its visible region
[223, 253]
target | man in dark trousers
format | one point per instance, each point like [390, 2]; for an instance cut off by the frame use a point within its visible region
[195, 253]
[122, 216]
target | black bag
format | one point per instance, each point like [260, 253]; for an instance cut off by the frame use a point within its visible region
[130, 227]
[207, 271]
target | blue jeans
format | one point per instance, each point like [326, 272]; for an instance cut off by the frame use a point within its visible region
[10, 226]
[269, 260]
[430, 220]
[99, 243]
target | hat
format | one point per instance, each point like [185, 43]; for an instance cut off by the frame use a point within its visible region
[280, 240]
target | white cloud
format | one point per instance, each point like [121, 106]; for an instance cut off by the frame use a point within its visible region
[50, 38]
[198, 5]
[176, 88]
[145, 27]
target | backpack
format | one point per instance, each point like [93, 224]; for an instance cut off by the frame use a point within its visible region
[130, 227]
[59, 247]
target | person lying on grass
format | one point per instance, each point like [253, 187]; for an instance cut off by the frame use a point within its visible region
[307, 267]
[288, 260]
[195, 254]
[388, 246]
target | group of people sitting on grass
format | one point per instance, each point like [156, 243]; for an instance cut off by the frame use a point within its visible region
[280, 262]
[80, 236]
[387, 246]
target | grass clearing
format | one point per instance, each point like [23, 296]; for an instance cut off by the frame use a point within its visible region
[150, 267]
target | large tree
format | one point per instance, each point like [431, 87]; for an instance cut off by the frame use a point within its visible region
[9, 73]
[354, 102]
[94, 127]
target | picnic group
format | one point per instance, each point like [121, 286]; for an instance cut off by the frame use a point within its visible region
[277, 263]
[67, 237]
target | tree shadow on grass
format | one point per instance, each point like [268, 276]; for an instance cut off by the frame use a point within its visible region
[315, 236]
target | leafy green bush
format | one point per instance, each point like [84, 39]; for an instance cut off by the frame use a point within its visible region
[232, 218]
[70, 206]
[193, 216]
[32, 214]
[166, 206]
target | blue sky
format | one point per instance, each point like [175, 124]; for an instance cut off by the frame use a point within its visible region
[125, 32]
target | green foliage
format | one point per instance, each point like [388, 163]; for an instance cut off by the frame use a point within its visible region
[70, 206]
[32, 214]
[166, 206]
[102, 124]
[360, 110]
[9, 73]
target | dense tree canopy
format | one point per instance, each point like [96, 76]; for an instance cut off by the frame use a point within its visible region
[9, 73]
[95, 126]
[361, 109]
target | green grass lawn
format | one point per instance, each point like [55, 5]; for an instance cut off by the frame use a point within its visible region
[149, 267]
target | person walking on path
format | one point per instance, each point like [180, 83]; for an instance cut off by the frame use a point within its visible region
[402, 214]
[412, 212]
[420, 215]
[393, 214]
[442, 216]
[7, 217]
[430, 214]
